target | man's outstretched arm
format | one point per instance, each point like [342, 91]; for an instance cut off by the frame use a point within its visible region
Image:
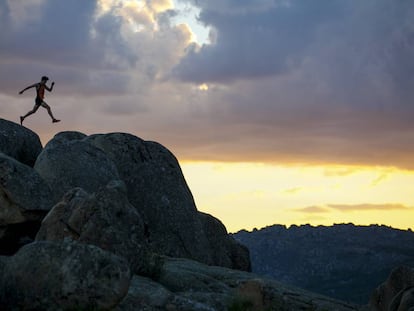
[29, 87]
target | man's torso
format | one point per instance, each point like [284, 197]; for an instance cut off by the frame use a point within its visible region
[40, 91]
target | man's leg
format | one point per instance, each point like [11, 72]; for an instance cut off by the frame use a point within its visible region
[49, 111]
[29, 113]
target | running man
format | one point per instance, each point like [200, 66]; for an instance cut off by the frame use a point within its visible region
[39, 101]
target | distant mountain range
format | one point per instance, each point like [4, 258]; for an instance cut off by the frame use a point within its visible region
[343, 261]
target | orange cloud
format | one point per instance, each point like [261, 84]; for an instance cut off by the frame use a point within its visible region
[333, 171]
[366, 206]
[313, 209]
[379, 179]
[293, 190]
[316, 209]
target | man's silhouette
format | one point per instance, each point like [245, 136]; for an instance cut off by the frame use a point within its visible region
[40, 95]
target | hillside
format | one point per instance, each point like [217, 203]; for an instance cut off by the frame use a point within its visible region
[343, 261]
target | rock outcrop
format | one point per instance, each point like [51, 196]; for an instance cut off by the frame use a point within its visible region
[74, 163]
[74, 276]
[19, 142]
[226, 252]
[396, 293]
[24, 196]
[105, 219]
[199, 287]
[63, 276]
[112, 213]
[167, 218]
[25, 199]
[157, 188]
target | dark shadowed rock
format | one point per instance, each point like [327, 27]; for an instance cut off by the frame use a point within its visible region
[67, 164]
[24, 200]
[3, 260]
[343, 261]
[65, 137]
[105, 219]
[63, 276]
[19, 142]
[144, 294]
[396, 293]
[121, 200]
[226, 251]
[157, 188]
[23, 192]
[221, 288]
[404, 301]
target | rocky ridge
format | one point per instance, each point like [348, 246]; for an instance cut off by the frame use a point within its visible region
[343, 261]
[107, 222]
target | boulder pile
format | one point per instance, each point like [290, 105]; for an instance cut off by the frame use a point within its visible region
[107, 222]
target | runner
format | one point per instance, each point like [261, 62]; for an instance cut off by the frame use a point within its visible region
[39, 101]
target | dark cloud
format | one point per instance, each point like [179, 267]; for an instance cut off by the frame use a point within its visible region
[250, 121]
[353, 53]
[288, 81]
[256, 43]
[357, 38]
[66, 40]
[4, 14]
[60, 26]
[306, 81]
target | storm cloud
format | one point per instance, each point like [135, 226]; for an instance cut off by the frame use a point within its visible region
[339, 41]
[285, 81]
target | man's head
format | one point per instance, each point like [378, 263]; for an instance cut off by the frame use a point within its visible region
[44, 79]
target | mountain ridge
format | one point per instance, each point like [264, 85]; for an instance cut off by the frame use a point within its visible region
[344, 261]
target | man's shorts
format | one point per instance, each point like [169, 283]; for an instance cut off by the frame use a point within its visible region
[40, 102]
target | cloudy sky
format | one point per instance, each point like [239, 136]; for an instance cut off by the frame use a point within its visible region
[279, 111]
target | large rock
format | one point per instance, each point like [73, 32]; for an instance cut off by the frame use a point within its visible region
[183, 285]
[221, 288]
[3, 260]
[24, 200]
[147, 295]
[19, 142]
[396, 293]
[63, 276]
[226, 251]
[23, 193]
[65, 137]
[157, 188]
[67, 164]
[188, 285]
[105, 219]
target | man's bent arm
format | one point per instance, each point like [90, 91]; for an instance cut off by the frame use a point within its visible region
[50, 88]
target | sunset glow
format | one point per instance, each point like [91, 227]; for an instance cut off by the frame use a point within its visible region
[249, 195]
